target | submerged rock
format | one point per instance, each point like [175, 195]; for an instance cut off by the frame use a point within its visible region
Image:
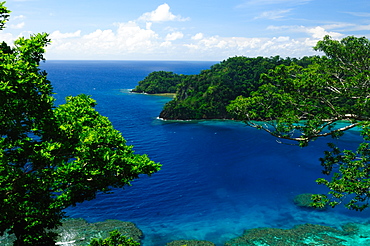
[76, 232]
[79, 232]
[304, 201]
[301, 235]
[190, 243]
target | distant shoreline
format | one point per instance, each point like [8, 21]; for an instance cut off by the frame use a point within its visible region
[171, 95]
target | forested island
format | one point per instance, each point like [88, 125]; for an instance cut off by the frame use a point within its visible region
[207, 94]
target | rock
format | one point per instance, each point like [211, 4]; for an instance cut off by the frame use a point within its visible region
[302, 235]
[80, 232]
[304, 201]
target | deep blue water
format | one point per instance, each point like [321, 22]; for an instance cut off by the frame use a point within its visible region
[218, 177]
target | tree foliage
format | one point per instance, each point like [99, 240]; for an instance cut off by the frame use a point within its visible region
[159, 82]
[302, 104]
[115, 239]
[52, 158]
[206, 95]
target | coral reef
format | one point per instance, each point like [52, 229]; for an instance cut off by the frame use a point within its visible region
[79, 231]
[302, 235]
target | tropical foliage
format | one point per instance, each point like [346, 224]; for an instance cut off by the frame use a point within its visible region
[206, 95]
[159, 82]
[52, 157]
[115, 239]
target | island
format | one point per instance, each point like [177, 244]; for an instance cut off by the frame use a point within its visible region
[207, 94]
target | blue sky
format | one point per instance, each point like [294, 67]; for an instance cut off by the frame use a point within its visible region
[185, 29]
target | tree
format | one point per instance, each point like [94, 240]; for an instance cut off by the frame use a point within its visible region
[115, 239]
[303, 104]
[52, 157]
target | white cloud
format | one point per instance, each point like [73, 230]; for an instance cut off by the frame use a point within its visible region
[149, 25]
[17, 26]
[166, 44]
[359, 14]
[173, 36]
[130, 41]
[161, 14]
[126, 39]
[274, 14]
[7, 37]
[197, 36]
[282, 39]
[131, 36]
[143, 40]
[223, 47]
[360, 28]
[101, 35]
[21, 17]
[338, 25]
[319, 32]
[59, 35]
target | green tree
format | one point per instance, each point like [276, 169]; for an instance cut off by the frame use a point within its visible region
[115, 239]
[303, 104]
[52, 157]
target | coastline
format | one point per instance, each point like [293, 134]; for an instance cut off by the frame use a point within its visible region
[166, 94]
[171, 95]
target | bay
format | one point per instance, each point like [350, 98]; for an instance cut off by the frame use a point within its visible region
[218, 177]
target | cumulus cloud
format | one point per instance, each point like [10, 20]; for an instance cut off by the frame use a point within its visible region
[127, 38]
[17, 26]
[59, 35]
[161, 14]
[18, 17]
[143, 40]
[251, 47]
[197, 36]
[173, 36]
[319, 32]
[131, 41]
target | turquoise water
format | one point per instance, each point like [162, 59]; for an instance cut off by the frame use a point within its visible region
[218, 177]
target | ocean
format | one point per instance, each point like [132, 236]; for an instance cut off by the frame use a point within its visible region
[218, 177]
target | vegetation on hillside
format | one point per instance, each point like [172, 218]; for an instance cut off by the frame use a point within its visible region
[206, 95]
[159, 82]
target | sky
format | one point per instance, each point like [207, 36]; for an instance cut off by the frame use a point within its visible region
[192, 30]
